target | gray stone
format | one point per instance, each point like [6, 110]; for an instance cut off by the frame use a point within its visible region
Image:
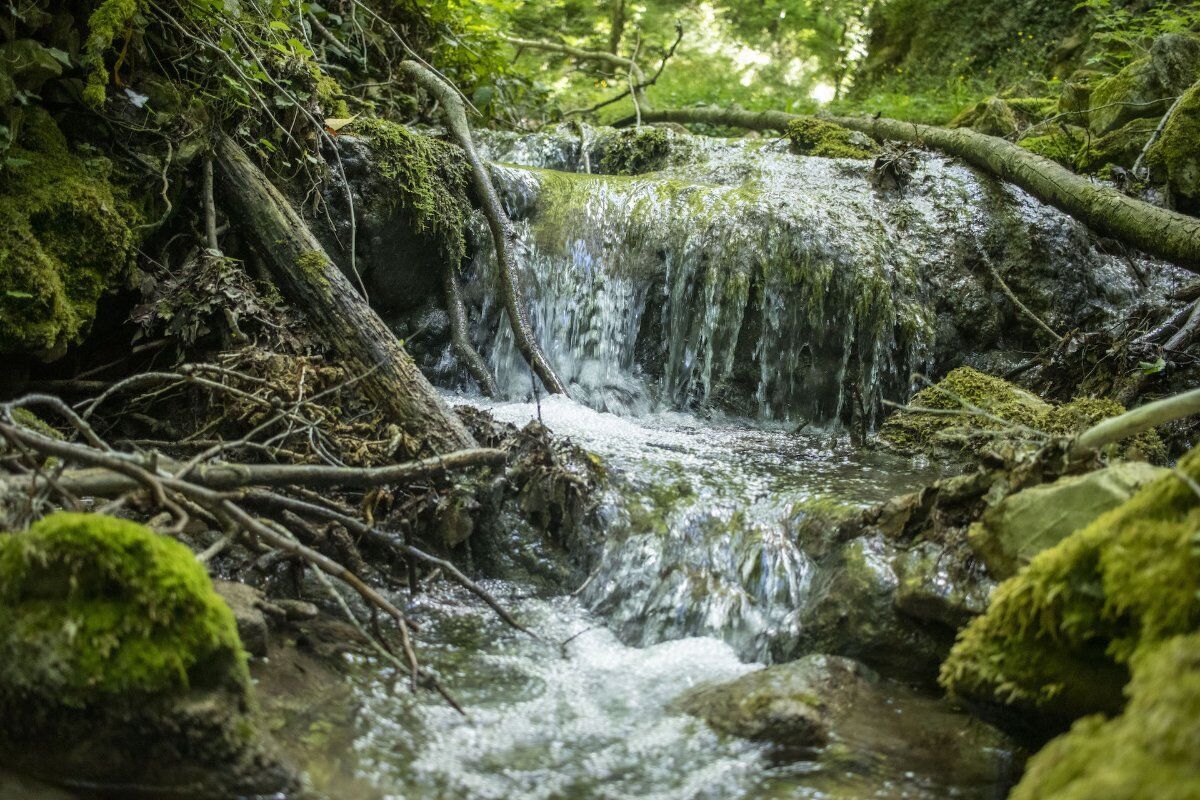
[246, 603]
[1134, 92]
[1013, 531]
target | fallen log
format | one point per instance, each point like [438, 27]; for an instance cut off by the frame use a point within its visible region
[349, 326]
[1156, 231]
[455, 115]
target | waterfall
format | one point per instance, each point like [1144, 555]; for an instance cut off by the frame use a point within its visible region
[752, 280]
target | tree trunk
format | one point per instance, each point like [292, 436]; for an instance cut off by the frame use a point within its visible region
[503, 236]
[340, 315]
[1165, 234]
[616, 28]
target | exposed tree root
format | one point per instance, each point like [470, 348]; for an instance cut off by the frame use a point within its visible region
[502, 234]
[461, 342]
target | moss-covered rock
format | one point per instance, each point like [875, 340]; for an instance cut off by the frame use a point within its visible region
[1061, 144]
[120, 665]
[1076, 94]
[65, 240]
[813, 136]
[632, 151]
[428, 179]
[995, 118]
[1118, 148]
[1058, 637]
[1148, 751]
[1009, 413]
[1175, 157]
[1134, 92]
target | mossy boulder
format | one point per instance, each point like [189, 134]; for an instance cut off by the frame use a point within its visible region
[813, 136]
[65, 240]
[1150, 750]
[1062, 144]
[1076, 94]
[1000, 411]
[995, 118]
[1176, 60]
[1134, 92]
[1058, 638]
[1012, 532]
[632, 151]
[1174, 158]
[1118, 148]
[120, 665]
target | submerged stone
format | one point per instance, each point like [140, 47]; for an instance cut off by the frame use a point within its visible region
[121, 666]
[841, 706]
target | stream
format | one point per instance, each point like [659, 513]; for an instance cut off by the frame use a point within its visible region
[725, 323]
[586, 710]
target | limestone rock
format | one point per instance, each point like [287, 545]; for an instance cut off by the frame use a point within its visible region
[1135, 92]
[1175, 157]
[1012, 532]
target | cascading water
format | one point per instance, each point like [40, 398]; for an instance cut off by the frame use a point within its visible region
[773, 285]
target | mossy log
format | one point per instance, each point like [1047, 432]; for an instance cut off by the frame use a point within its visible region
[343, 318]
[1165, 234]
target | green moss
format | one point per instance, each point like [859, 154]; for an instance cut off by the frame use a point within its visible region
[913, 431]
[1120, 147]
[1063, 144]
[1058, 636]
[633, 151]
[329, 94]
[111, 20]
[65, 239]
[429, 179]
[97, 607]
[820, 137]
[1148, 751]
[1175, 157]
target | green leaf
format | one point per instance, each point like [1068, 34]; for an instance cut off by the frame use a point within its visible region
[16, 294]
[1152, 368]
[62, 56]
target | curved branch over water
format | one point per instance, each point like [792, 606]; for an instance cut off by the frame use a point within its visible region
[1165, 234]
[502, 233]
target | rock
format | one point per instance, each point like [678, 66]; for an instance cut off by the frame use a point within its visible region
[995, 118]
[1076, 93]
[1059, 637]
[1134, 92]
[1174, 158]
[850, 610]
[1147, 751]
[1022, 525]
[246, 603]
[1120, 147]
[1145, 88]
[789, 704]
[296, 610]
[941, 585]
[119, 665]
[1176, 60]
[837, 704]
[813, 136]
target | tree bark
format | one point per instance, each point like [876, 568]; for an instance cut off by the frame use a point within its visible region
[616, 28]
[341, 316]
[455, 115]
[1156, 231]
[459, 339]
